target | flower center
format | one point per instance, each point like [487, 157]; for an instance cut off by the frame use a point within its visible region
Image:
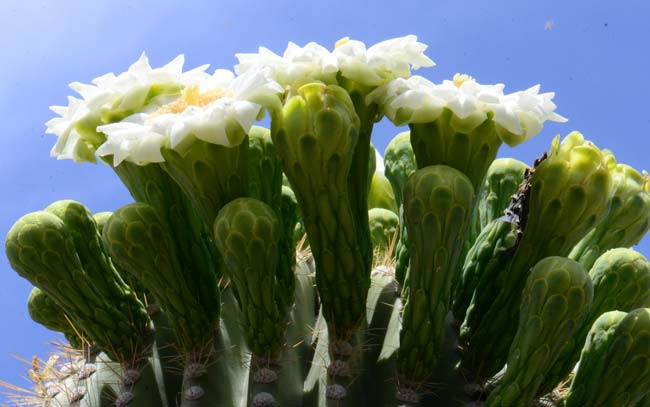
[192, 96]
[459, 79]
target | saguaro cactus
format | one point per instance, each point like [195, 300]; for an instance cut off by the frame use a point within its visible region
[206, 291]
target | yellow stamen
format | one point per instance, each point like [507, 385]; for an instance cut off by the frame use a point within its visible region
[192, 96]
[459, 79]
[341, 42]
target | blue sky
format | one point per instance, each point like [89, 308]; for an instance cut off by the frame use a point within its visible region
[594, 55]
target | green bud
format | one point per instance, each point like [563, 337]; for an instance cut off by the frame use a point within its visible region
[437, 206]
[247, 233]
[140, 243]
[58, 252]
[503, 179]
[615, 364]
[555, 302]
[621, 279]
[399, 162]
[46, 312]
[627, 221]
[562, 198]
[381, 194]
[315, 134]
[383, 227]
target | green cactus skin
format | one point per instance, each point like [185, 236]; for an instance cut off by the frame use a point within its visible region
[555, 302]
[372, 168]
[375, 360]
[140, 290]
[360, 171]
[139, 242]
[626, 223]
[43, 310]
[615, 366]
[644, 402]
[247, 233]
[449, 142]
[399, 162]
[593, 356]
[504, 176]
[211, 175]
[621, 279]
[437, 205]
[315, 135]
[569, 192]
[192, 238]
[265, 184]
[71, 268]
[381, 194]
[383, 227]
[492, 245]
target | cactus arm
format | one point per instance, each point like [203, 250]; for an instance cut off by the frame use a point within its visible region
[192, 239]
[400, 163]
[567, 193]
[315, 136]
[555, 302]
[627, 221]
[360, 175]
[614, 366]
[491, 245]
[437, 201]
[265, 184]
[41, 248]
[621, 279]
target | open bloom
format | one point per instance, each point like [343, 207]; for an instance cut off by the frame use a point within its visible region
[519, 116]
[221, 109]
[372, 66]
[111, 98]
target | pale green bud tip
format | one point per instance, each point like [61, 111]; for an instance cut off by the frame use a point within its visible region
[249, 218]
[383, 226]
[506, 166]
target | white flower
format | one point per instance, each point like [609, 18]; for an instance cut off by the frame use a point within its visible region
[63, 127]
[374, 66]
[519, 116]
[205, 111]
[112, 97]
[296, 67]
[381, 62]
